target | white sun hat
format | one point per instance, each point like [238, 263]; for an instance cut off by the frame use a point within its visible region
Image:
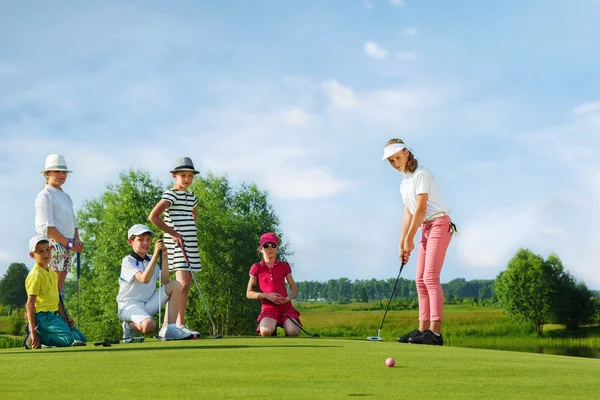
[55, 162]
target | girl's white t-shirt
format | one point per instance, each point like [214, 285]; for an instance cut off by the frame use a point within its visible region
[419, 182]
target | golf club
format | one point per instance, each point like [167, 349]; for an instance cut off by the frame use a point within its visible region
[378, 337]
[300, 326]
[215, 335]
[107, 342]
[75, 341]
[159, 263]
[78, 290]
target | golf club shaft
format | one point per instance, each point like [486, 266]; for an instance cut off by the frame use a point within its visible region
[67, 315]
[391, 296]
[212, 322]
[78, 290]
[299, 326]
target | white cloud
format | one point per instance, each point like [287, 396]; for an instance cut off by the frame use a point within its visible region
[368, 4]
[406, 55]
[409, 32]
[587, 108]
[397, 3]
[340, 95]
[295, 117]
[375, 51]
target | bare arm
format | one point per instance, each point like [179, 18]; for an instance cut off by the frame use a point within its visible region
[165, 275]
[146, 276]
[406, 220]
[30, 307]
[155, 214]
[250, 292]
[292, 283]
[418, 217]
[415, 222]
[154, 217]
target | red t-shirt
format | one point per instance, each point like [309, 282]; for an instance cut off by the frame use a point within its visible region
[271, 280]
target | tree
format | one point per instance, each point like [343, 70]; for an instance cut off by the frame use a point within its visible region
[12, 286]
[103, 225]
[573, 303]
[527, 287]
[230, 222]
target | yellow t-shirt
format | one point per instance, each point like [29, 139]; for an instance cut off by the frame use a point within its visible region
[44, 285]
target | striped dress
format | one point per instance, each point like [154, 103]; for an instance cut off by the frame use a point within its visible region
[179, 216]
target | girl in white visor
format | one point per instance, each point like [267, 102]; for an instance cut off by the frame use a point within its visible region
[424, 208]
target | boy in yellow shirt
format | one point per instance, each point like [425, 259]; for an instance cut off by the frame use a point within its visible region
[44, 311]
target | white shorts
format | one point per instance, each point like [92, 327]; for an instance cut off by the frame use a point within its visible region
[137, 311]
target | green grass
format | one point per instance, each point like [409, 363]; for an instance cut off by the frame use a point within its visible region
[295, 368]
[459, 321]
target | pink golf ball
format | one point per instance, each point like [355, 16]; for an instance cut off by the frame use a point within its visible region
[390, 362]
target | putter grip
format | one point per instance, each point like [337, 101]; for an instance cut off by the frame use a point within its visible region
[78, 265]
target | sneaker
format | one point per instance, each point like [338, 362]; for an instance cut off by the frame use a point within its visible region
[405, 338]
[128, 332]
[428, 337]
[172, 332]
[187, 330]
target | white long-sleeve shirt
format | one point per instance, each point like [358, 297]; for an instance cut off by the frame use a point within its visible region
[53, 207]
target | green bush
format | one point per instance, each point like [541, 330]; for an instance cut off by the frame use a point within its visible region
[16, 323]
[7, 342]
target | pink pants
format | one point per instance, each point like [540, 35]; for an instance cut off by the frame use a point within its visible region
[435, 238]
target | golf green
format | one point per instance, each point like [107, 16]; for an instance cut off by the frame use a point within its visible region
[293, 368]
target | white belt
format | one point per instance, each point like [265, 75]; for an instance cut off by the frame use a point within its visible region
[434, 216]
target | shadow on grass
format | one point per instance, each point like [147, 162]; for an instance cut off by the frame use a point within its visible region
[160, 345]
[581, 333]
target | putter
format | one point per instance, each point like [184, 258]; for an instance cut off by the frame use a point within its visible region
[291, 319]
[300, 326]
[76, 342]
[78, 291]
[215, 335]
[107, 342]
[378, 337]
[159, 324]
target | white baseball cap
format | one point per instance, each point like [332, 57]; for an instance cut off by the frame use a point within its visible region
[139, 229]
[35, 240]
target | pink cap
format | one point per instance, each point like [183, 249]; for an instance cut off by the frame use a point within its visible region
[269, 237]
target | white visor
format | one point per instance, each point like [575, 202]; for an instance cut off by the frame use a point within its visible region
[392, 149]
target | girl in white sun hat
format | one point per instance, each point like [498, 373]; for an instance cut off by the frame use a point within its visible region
[55, 218]
[423, 208]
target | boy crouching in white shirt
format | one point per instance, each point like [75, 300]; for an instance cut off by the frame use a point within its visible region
[138, 298]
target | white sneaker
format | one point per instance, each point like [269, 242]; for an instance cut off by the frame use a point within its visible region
[128, 332]
[172, 332]
[188, 330]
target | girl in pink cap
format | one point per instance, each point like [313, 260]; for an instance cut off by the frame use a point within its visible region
[424, 208]
[267, 284]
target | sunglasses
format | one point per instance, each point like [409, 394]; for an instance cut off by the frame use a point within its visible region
[271, 245]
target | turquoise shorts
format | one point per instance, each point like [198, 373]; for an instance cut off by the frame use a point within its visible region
[54, 331]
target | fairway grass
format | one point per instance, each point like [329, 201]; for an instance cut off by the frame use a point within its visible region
[292, 368]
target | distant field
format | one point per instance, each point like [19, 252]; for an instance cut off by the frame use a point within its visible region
[294, 368]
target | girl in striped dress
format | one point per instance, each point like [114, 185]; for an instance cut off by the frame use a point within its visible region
[178, 206]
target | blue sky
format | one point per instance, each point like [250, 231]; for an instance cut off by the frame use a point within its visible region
[500, 101]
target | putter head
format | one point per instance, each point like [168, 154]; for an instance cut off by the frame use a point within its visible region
[375, 338]
[78, 343]
[314, 335]
[217, 336]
